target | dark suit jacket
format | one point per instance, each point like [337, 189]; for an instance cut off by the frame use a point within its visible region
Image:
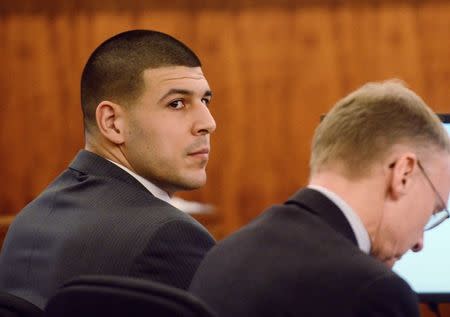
[300, 259]
[95, 218]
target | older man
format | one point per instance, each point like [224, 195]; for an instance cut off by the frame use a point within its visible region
[380, 176]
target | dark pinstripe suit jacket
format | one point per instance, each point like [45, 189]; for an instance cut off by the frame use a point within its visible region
[300, 259]
[95, 218]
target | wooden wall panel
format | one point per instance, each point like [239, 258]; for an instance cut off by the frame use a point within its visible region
[274, 66]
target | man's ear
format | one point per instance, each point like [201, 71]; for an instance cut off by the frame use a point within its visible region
[110, 121]
[402, 174]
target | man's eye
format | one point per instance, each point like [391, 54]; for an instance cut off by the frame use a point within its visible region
[206, 101]
[176, 104]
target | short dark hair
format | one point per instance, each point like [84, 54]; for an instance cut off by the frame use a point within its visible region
[114, 70]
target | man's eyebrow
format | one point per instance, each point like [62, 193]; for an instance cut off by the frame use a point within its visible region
[177, 91]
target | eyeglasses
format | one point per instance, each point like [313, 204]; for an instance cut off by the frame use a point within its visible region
[437, 217]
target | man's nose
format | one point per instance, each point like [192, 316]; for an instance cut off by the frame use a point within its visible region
[418, 246]
[204, 121]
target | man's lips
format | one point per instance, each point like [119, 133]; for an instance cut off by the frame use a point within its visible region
[200, 153]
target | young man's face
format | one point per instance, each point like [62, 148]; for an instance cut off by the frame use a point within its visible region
[168, 129]
[403, 225]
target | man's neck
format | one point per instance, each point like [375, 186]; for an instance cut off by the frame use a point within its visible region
[109, 152]
[362, 195]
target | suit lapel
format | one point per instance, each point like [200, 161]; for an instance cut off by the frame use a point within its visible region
[318, 204]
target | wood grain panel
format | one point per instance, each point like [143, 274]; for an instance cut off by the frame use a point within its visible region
[274, 67]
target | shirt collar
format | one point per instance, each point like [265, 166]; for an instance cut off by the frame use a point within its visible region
[152, 188]
[361, 234]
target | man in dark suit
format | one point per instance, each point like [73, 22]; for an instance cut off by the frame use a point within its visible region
[147, 130]
[380, 169]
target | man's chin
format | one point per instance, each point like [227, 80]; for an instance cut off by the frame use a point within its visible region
[192, 183]
[391, 261]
